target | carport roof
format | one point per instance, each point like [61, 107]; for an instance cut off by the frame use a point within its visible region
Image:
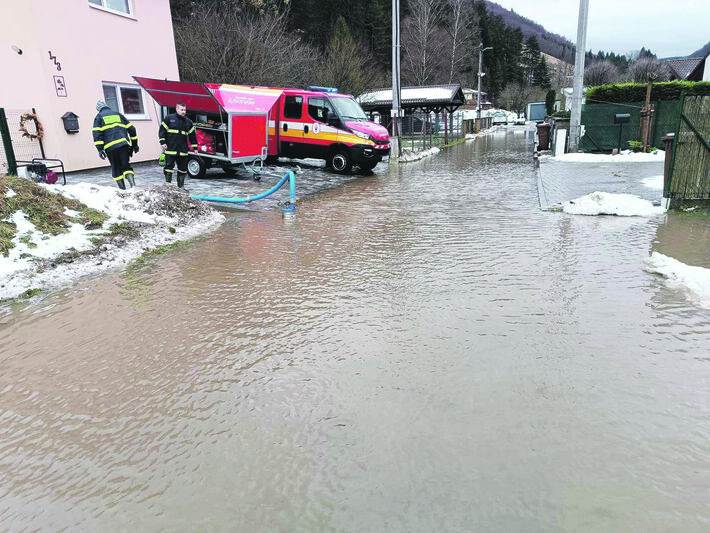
[427, 98]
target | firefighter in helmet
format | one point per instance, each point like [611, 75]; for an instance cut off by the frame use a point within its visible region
[115, 137]
[173, 135]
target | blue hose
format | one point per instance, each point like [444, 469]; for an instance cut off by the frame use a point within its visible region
[290, 206]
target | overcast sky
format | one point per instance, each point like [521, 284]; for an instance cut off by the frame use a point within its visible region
[666, 27]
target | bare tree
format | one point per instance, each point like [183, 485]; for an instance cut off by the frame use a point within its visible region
[645, 68]
[601, 73]
[455, 25]
[516, 95]
[422, 52]
[243, 47]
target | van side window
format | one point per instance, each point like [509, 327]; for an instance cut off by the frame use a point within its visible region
[319, 109]
[293, 106]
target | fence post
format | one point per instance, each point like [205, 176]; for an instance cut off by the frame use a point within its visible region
[7, 144]
[41, 146]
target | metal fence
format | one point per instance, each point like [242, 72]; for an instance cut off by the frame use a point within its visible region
[421, 131]
[602, 135]
[15, 145]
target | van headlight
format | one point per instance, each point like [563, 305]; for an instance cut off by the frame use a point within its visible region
[362, 135]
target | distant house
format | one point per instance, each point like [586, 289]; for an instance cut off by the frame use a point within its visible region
[60, 57]
[471, 96]
[690, 69]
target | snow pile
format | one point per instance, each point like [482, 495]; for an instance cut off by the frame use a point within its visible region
[408, 155]
[158, 215]
[604, 203]
[625, 156]
[694, 279]
[654, 182]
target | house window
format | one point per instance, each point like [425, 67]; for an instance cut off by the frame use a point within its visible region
[117, 6]
[126, 99]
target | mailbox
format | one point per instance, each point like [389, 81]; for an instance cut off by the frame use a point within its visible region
[71, 122]
[622, 118]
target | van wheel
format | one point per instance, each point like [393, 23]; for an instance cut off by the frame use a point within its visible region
[196, 167]
[368, 165]
[340, 161]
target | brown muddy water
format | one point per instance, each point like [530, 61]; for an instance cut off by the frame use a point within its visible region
[420, 349]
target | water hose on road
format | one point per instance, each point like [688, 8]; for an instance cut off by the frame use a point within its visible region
[289, 207]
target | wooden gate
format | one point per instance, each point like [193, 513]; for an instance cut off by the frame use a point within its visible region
[688, 180]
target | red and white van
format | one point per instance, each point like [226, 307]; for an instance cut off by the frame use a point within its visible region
[239, 124]
[319, 123]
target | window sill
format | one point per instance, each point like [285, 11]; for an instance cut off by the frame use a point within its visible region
[137, 118]
[113, 12]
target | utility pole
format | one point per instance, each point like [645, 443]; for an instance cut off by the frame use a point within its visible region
[575, 123]
[480, 75]
[396, 89]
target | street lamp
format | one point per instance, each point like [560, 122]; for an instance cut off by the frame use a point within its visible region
[480, 74]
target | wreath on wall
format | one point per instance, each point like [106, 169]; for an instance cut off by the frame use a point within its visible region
[31, 117]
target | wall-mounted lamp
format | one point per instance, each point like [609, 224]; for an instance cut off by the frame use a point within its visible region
[17, 49]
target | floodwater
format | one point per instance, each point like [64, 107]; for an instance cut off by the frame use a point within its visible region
[420, 349]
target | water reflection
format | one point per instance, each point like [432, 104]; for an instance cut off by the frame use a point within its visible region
[418, 349]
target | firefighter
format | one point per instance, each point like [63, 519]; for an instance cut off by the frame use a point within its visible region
[115, 137]
[173, 135]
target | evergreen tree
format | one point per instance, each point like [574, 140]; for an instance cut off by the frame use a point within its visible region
[550, 101]
[343, 68]
[530, 59]
[541, 74]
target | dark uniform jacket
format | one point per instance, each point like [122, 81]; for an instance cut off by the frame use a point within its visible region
[174, 131]
[112, 130]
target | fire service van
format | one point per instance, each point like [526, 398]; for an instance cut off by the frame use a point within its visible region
[239, 125]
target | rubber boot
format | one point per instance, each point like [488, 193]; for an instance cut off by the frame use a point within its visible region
[121, 184]
[131, 179]
[181, 180]
[168, 177]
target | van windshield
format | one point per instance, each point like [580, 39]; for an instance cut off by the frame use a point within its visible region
[348, 109]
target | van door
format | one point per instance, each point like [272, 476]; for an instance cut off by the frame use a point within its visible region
[291, 126]
[318, 134]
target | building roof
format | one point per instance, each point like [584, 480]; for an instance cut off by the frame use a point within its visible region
[683, 68]
[427, 97]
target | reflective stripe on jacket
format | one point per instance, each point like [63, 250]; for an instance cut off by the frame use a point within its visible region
[112, 129]
[175, 131]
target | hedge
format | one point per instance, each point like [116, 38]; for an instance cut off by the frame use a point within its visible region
[626, 93]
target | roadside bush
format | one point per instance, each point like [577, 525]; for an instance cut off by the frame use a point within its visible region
[561, 114]
[631, 93]
[637, 146]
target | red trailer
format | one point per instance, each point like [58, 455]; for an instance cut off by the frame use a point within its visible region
[231, 123]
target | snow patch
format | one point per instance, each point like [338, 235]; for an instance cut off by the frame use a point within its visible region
[694, 279]
[604, 203]
[408, 155]
[625, 156]
[162, 214]
[654, 182]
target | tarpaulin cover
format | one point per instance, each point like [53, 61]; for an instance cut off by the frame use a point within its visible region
[168, 93]
[244, 99]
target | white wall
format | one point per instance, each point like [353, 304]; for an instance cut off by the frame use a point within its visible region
[91, 45]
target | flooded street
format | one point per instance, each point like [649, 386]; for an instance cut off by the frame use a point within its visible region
[419, 349]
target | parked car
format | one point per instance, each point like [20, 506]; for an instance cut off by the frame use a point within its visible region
[500, 117]
[520, 121]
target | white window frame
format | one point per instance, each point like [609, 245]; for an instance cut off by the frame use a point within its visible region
[118, 87]
[103, 7]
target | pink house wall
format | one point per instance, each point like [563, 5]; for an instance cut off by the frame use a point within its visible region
[92, 46]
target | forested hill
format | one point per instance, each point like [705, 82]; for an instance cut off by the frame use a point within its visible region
[550, 43]
[705, 50]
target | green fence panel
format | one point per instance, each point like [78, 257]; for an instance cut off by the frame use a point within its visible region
[601, 134]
